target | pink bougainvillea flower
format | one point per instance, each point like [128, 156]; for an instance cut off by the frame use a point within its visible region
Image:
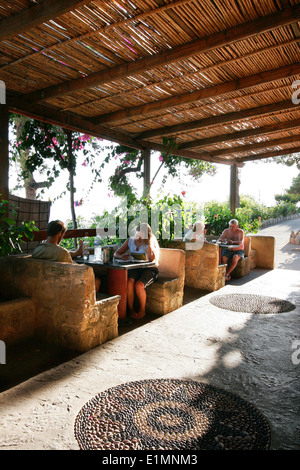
[161, 158]
[78, 203]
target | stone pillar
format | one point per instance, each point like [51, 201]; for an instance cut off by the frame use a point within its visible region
[147, 168]
[4, 162]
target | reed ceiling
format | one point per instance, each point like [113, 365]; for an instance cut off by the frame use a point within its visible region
[215, 75]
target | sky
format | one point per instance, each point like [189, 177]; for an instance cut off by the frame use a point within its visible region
[259, 180]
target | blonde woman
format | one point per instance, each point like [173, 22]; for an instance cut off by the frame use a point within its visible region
[144, 246]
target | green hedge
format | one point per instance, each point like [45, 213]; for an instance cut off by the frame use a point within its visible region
[216, 214]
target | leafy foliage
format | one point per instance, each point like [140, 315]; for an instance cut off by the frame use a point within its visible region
[10, 234]
[130, 161]
[50, 143]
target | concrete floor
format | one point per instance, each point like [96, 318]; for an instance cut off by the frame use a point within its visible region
[253, 356]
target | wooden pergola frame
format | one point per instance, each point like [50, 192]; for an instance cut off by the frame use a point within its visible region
[218, 80]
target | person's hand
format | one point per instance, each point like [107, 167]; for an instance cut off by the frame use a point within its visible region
[80, 249]
[124, 256]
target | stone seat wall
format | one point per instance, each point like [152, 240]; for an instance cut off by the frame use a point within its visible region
[166, 294]
[243, 267]
[202, 268]
[63, 295]
[16, 320]
[264, 247]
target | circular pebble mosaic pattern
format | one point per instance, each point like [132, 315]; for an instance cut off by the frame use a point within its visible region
[170, 414]
[251, 303]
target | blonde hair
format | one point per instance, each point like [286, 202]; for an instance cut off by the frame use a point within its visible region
[151, 239]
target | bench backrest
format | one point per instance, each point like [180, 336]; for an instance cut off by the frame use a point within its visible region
[171, 262]
[247, 246]
[62, 292]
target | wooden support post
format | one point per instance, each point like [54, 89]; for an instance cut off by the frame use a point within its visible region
[233, 188]
[147, 168]
[4, 161]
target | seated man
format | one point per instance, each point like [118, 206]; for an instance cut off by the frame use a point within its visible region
[232, 236]
[51, 250]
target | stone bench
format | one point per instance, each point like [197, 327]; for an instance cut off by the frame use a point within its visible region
[16, 320]
[243, 267]
[264, 247]
[259, 253]
[202, 268]
[166, 294]
[66, 310]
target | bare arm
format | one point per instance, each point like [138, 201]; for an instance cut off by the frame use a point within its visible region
[121, 252]
[223, 236]
[78, 252]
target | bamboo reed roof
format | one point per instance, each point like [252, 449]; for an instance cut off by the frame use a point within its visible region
[215, 75]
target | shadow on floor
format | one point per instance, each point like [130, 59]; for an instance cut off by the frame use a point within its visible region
[32, 357]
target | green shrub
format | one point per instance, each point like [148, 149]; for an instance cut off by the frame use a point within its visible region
[11, 235]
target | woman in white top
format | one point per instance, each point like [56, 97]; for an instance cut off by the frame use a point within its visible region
[145, 245]
[196, 233]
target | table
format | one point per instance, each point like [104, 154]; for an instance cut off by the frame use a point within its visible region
[225, 245]
[117, 274]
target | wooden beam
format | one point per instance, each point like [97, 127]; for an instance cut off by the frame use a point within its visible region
[147, 171]
[4, 160]
[74, 123]
[222, 119]
[37, 14]
[72, 233]
[246, 30]
[241, 84]
[104, 28]
[256, 146]
[271, 154]
[176, 80]
[203, 156]
[265, 130]
[233, 196]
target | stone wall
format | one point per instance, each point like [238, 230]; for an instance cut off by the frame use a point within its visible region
[166, 294]
[202, 269]
[16, 320]
[63, 295]
[264, 251]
